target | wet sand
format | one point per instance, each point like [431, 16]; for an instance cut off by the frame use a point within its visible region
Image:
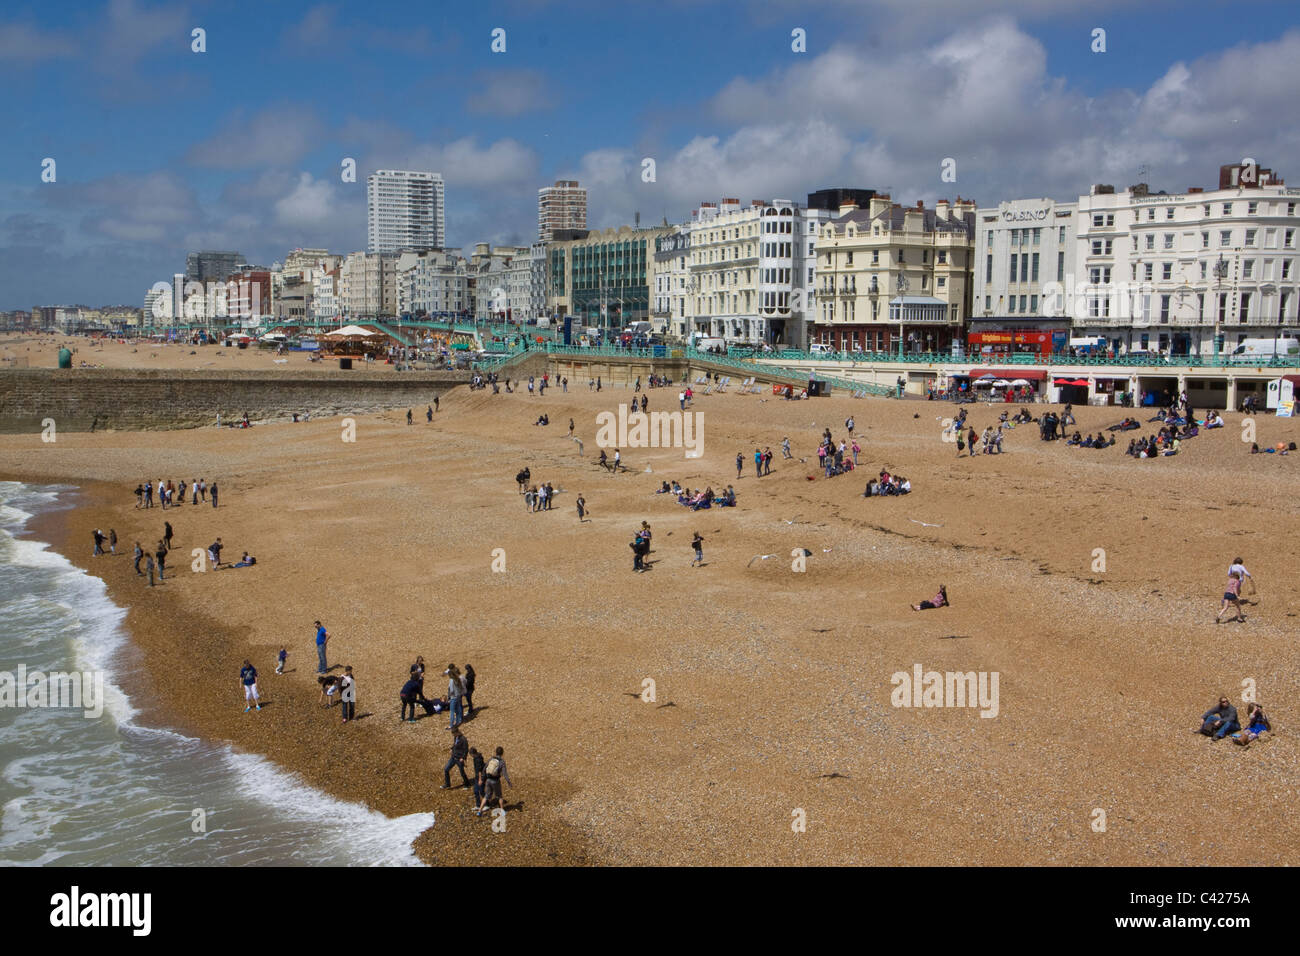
[773, 687]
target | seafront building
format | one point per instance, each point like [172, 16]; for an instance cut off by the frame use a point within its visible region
[432, 282]
[1190, 272]
[602, 278]
[1021, 245]
[562, 206]
[752, 270]
[526, 283]
[209, 266]
[405, 211]
[892, 278]
[674, 304]
[367, 286]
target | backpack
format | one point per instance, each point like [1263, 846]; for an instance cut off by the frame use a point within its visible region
[493, 768]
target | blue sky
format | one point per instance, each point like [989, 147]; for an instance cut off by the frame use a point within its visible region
[161, 150]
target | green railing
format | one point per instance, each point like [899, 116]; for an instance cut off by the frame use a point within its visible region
[1027, 358]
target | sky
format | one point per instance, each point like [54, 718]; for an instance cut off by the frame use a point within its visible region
[159, 149]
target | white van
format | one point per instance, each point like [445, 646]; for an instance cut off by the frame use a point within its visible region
[706, 343]
[818, 348]
[543, 322]
[1264, 350]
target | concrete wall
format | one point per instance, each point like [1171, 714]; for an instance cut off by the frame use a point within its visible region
[134, 399]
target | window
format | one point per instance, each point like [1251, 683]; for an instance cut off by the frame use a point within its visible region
[940, 282]
[1205, 210]
[1223, 306]
[849, 258]
[1169, 212]
[1164, 309]
[1060, 234]
[1024, 267]
[1203, 265]
[1227, 209]
[875, 257]
[1290, 209]
[1146, 273]
[1225, 237]
[1038, 236]
[1060, 266]
[1034, 276]
[1011, 303]
[1033, 304]
[988, 268]
[1151, 214]
[1205, 240]
[1110, 219]
[1281, 307]
[1286, 268]
[1022, 303]
[988, 303]
[1250, 236]
[1288, 239]
[1245, 307]
[1248, 269]
[1098, 219]
[900, 255]
[1151, 240]
[1169, 240]
[1096, 247]
[1167, 270]
[943, 256]
[1252, 208]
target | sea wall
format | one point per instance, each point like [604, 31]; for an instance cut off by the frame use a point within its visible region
[134, 399]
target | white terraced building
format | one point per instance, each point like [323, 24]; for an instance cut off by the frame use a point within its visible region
[1179, 269]
[752, 270]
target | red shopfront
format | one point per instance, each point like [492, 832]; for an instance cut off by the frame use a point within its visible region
[1037, 341]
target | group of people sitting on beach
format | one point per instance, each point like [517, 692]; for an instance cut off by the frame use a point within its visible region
[1281, 448]
[698, 499]
[834, 458]
[1222, 721]
[1090, 442]
[1165, 445]
[888, 485]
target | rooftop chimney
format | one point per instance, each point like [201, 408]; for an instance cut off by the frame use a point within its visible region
[847, 207]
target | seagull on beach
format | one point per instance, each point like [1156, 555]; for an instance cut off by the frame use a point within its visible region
[760, 557]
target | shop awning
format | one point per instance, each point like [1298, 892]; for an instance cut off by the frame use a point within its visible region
[1033, 374]
[1070, 381]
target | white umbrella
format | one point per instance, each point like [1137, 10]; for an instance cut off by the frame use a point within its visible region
[984, 383]
[351, 330]
[1020, 381]
[1000, 383]
[988, 375]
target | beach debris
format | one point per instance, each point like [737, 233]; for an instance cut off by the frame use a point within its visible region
[924, 524]
[760, 557]
[794, 519]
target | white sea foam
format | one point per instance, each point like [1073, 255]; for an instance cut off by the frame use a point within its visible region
[77, 791]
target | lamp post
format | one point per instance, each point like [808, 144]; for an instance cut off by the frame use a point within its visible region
[1220, 272]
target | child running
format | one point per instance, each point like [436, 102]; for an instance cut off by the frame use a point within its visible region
[1231, 598]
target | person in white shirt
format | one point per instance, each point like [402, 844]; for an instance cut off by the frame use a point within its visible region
[1240, 568]
[348, 695]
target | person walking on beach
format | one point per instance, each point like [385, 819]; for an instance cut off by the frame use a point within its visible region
[139, 553]
[214, 494]
[148, 563]
[139, 496]
[1243, 574]
[428, 414]
[849, 423]
[1231, 598]
[570, 427]
[459, 751]
[180, 492]
[203, 489]
[194, 492]
[697, 543]
[167, 534]
[785, 448]
[322, 638]
[283, 659]
[582, 509]
[348, 695]
[214, 553]
[767, 460]
[435, 403]
[492, 773]
[99, 542]
[479, 778]
[112, 540]
[248, 677]
[740, 465]
[161, 554]
[410, 419]
[148, 494]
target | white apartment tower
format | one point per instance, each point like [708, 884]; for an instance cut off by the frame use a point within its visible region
[562, 206]
[404, 211]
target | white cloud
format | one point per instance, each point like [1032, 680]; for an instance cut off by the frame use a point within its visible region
[277, 136]
[510, 93]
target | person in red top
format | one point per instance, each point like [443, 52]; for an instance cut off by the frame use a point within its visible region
[939, 600]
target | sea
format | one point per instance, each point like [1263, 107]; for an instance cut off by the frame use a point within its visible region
[78, 790]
